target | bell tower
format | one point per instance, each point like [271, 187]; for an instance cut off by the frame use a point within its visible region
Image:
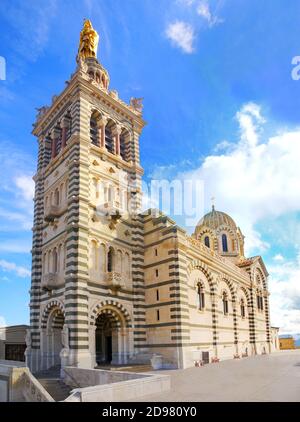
[86, 284]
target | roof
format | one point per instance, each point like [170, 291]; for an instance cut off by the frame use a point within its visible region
[249, 261]
[215, 219]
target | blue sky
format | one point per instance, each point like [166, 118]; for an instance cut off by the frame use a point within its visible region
[219, 100]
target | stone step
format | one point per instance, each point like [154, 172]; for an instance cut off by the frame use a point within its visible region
[53, 372]
[56, 388]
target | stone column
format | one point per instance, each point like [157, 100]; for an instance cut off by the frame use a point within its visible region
[117, 132]
[49, 349]
[64, 127]
[54, 136]
[101, 131]
[125, 335]
[120, 346]
[53, 146]
[92, 343]
[44, 350]
[64, 353]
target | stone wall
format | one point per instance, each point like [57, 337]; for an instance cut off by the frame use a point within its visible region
[106, 386]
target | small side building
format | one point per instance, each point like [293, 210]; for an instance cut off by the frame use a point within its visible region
[287, 342]
[12, 342]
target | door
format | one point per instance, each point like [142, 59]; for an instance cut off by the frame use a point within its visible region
[108, 349]
[205, 357]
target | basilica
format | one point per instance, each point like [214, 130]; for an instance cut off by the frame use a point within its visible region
[112, 284]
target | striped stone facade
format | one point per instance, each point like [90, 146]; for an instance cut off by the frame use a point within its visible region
[111, 284]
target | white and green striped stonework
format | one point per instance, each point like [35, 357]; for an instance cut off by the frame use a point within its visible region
[111, 284]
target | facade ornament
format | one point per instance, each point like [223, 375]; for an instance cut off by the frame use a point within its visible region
[41, 111]
[114, 94]
[136, 104]
[114, 219]
[54, 98]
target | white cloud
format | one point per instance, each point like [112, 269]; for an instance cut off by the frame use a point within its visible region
[12, 267]
[16, 188]
[203, 10]
[182, 35]
[187, 2]
[285, 295]
[31, 23]
[26, 186]
[254, 179]
[11, 218]
[2, 322]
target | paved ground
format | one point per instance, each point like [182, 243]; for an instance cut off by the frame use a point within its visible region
[273, 377]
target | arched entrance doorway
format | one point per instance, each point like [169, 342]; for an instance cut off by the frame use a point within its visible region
[106, 339]
[112, 336]
[52, 338]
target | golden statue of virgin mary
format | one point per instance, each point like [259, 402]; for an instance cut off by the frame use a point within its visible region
[88, 43]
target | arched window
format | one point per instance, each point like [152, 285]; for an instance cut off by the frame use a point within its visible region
[124, 144]
[69, 125]
[206, 241]
[201, 296]
[110, 193]
[225, 303]
[94, 256]
[119, 260]
[94, 131]
[65, 257]
[127, 266]
[243, 308]
[110, 260]
[260, 302]
[109, 139]
[224, 243]
[66, 189]
[103, 80]
[95, 188]
[44, 268]
[56, 197]
[102, 255]
[55, 261]
[58, 139]
[61, 190]
[59, 259]
[49, 262]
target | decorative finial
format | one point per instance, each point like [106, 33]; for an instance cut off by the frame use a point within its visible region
[88, 43]
[212, 203]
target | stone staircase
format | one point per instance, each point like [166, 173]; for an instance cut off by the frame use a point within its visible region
[51, 381]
